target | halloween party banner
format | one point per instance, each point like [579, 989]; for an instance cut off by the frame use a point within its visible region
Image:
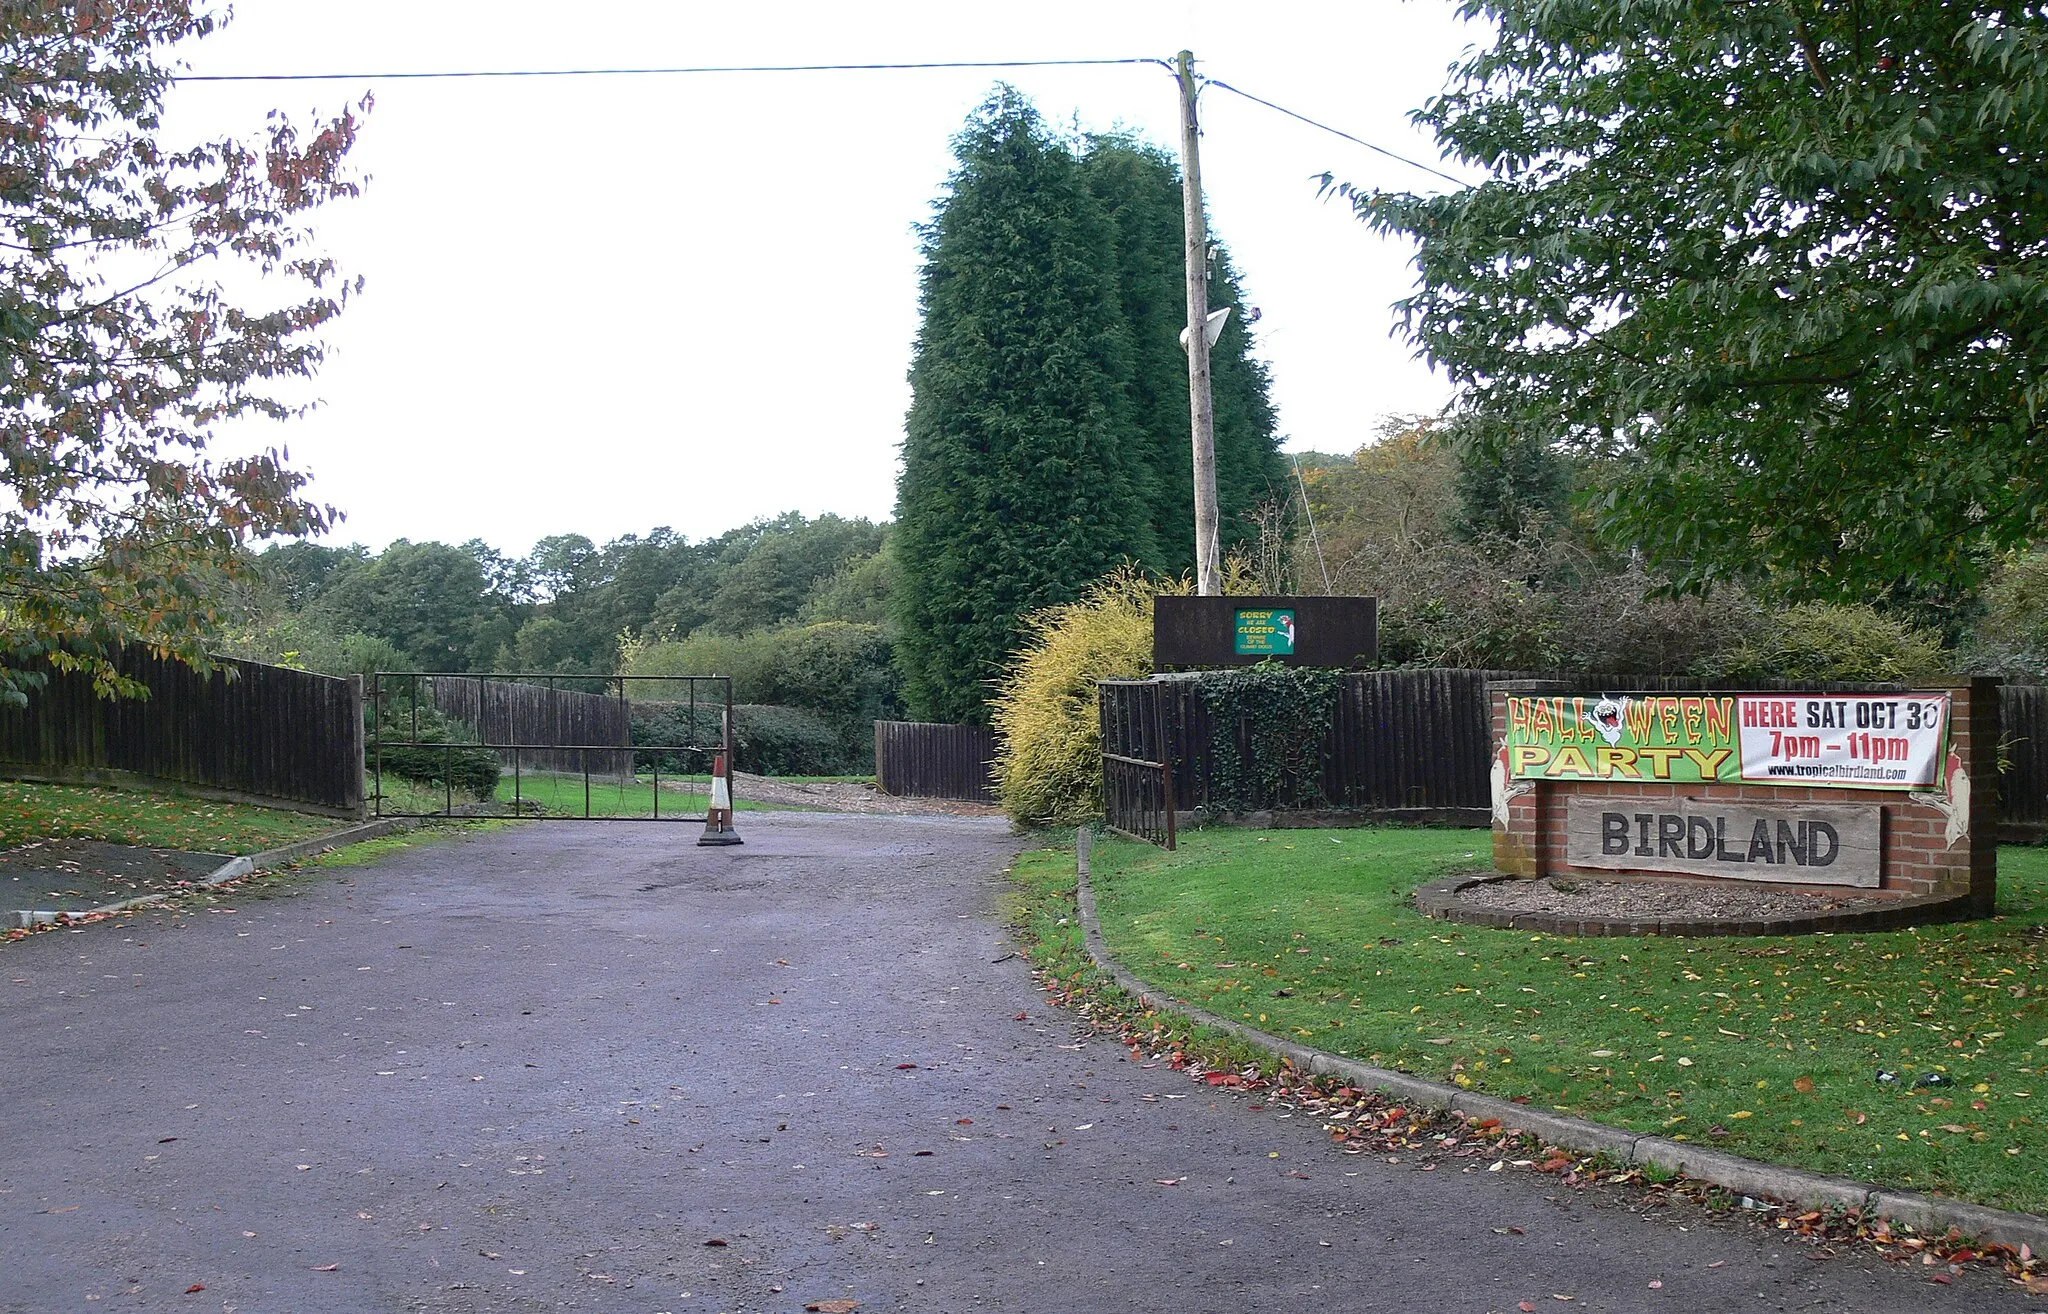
[1845, 741]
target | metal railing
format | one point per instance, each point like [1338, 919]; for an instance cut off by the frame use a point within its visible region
[530, 719]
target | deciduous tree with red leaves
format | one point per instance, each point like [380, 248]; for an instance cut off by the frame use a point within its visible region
[122, 348]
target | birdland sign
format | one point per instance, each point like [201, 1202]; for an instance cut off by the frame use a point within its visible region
[1302, 631]
[1787, 842]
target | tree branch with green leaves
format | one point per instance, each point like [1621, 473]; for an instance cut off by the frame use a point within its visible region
[1785, 262]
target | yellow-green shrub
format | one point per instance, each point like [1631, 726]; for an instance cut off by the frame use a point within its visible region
[1049, 759]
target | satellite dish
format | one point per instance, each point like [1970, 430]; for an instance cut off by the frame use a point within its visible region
[1212, 327]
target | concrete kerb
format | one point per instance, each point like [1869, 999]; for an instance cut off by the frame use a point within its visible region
[1925, 1214]
[236, 868]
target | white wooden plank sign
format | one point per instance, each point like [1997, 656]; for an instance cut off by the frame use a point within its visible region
[1789, 842]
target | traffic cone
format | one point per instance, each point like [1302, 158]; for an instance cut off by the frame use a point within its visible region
[718, 819]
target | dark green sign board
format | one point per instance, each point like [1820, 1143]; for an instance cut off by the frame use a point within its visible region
[1245, 629]
[1265, 632]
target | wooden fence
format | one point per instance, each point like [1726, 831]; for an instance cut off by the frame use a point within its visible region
[1410, 744]
[1418, 745]
[2023, 749]
[919, 759]
[538, 717]
[246, 732]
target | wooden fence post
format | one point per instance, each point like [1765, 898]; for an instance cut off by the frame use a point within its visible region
[352, 753]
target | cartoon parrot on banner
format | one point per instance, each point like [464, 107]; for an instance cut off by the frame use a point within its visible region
[1954, 805]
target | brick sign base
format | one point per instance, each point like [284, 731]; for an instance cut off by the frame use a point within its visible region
[1936, 848]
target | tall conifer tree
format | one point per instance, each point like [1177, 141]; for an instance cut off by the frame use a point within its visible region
[1140, 186]
[1023, 474]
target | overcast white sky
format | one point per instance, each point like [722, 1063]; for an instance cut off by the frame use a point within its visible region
[601, 305]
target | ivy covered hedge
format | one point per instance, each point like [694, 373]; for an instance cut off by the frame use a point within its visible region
[1271, 722]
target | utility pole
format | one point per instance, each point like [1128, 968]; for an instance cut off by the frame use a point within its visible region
[1201, 406]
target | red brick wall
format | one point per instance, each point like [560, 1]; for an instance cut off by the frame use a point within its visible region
[1918, 859]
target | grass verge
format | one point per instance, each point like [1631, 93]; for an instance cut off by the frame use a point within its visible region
[147, 818]
[1770, 1047]
[562, 795]
[612, 797]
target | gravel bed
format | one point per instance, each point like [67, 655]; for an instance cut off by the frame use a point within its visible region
[1661, 900]
[848, 796]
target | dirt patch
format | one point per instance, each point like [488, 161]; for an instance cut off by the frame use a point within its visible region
[1659, 900]
[849, 796]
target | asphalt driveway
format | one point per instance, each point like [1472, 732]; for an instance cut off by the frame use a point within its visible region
[594, 1067]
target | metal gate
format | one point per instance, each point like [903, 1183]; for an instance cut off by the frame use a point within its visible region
[1137, 761]
[545, 746]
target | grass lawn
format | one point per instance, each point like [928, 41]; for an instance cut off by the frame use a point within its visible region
[612, 797]
[148, 818]
[562, 794]
[1768, 1047]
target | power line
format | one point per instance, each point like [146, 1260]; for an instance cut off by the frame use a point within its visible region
[654, 72]
[1260, 100]
[691, 70]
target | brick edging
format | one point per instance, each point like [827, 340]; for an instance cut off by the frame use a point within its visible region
[1439, 899]
[1923, 1213]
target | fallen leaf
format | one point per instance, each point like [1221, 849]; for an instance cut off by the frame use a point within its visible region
[1804, 1085]
[905, 1067]
[196, 1286]
[1527, 1307]
[716, 1241]
[841, 1306]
